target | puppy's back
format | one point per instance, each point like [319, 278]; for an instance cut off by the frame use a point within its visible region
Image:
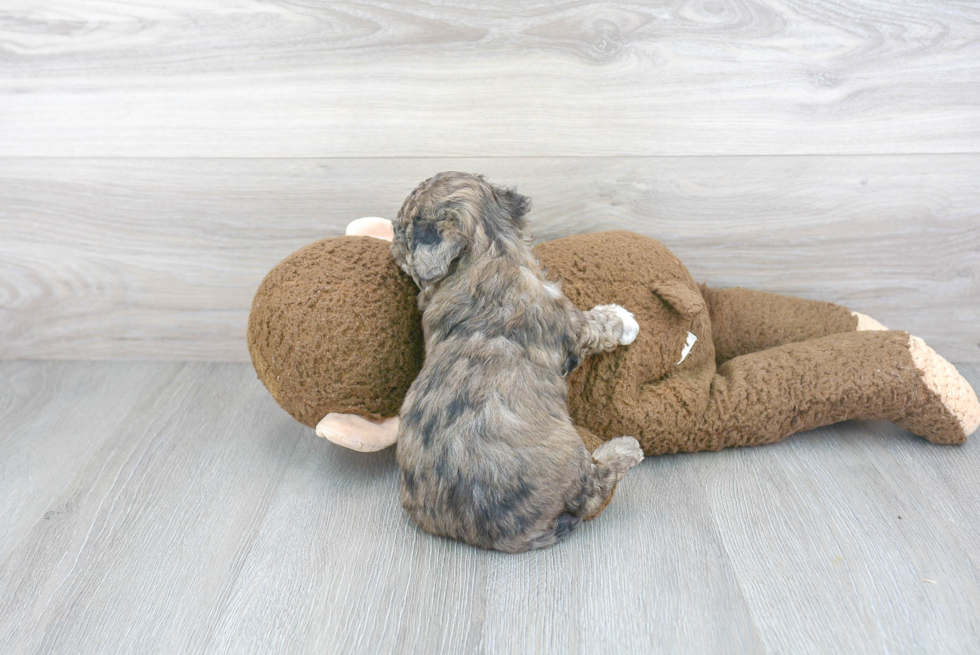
[490, 457]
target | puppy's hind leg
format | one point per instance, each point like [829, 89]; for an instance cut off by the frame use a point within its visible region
[610, 462]
[606, 467]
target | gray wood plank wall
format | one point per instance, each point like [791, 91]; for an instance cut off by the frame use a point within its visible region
[156, 159]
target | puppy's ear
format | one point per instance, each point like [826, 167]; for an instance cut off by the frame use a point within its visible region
[435, 246]
[399, 245]
[514, 204]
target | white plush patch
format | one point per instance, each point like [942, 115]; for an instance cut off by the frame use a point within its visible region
[691, 340]
[630, 327]
[865, 322]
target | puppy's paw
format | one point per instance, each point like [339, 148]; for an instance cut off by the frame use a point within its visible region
[619, 454]
[630, 327]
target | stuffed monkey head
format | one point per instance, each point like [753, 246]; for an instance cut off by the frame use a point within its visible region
[334, 329]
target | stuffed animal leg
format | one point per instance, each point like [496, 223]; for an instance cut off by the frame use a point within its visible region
[744, 321]
[764, 397]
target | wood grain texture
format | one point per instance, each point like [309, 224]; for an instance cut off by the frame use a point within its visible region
[449, 79]
[159, 259]
[53, 417]
[322, 576]
[141, 545]
[203, 519]
[833, 518]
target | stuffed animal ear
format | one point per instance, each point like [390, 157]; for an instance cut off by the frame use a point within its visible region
[370, 226]
[681, 297]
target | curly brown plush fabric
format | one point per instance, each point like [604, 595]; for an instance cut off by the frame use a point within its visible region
[321, 344]
[788, 364]
[334, 329]
[745, 321]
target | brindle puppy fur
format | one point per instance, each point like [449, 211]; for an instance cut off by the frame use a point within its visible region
[487, 450]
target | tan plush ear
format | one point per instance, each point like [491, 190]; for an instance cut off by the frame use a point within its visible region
[370, 226]
[682, 298]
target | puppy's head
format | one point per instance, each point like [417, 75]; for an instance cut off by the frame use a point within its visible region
[453, 218]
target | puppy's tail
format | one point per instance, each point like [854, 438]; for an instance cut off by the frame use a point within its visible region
[610, 462]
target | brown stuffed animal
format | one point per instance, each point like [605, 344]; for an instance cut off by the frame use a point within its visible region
[335, 336]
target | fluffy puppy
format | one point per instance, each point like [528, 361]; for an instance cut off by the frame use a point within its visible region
[487, 450]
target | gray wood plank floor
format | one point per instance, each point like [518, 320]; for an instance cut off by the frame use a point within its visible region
[173, 507]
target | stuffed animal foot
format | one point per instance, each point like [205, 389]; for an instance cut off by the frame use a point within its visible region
[945, 409]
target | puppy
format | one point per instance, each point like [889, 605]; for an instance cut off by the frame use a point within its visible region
[487, 450]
